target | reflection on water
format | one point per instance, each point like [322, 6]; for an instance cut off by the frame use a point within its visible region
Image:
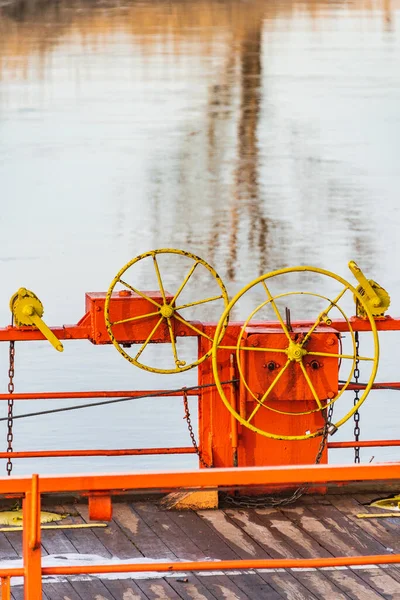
[257, 135]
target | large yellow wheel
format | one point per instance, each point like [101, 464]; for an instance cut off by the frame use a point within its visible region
[296, 352]
[187, 277]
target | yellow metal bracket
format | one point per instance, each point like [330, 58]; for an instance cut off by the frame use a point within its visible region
[28, 311]
[377, 298]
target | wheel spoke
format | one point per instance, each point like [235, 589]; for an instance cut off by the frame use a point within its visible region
[198, 302]
[174, 350]
[273, 384]
[253, 349]
[349, 356]
[139, 293]
[135, 318]
[149, 338]
[324, 313]
[160, 283]
[276, 311]
[184, 282]
[188, 324]
[310, 385]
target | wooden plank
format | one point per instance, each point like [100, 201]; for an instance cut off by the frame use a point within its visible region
[321, 586]
[350, 507]
[204, 536]
[357, 539]
[233, 535]
[17, 593]
[353, 586]
[124, 589]
[327, 535]
[157, 589]
[318, 583]
[191, 588]
[60, 591]
[112, 537]
[54, 541]
[214, 546]
[248, 537]
[92, 590]
[256, 587]
[140, 534]
[303, 544]
[7, 550]
[226, 587]
[362, 543]
[84, 540]
[162, 524]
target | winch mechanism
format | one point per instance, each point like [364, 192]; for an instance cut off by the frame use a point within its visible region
[277, 376]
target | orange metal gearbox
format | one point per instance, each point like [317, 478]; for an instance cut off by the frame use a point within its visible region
[261, 368]
[226, 443]
[126, 305]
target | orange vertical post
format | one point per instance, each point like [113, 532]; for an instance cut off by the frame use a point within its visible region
[32, 556]
[5, 588]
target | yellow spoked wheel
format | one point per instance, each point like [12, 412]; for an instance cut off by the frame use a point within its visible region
[185, 284]
[298, 351]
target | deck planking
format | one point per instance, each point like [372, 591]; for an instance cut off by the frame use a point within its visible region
[315, 526]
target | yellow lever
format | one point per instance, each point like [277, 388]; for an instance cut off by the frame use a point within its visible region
[28, 310]
[365, 284]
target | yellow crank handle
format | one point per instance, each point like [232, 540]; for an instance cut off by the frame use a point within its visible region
[30, 312]
[363, 281]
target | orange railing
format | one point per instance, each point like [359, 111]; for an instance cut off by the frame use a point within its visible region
[31, 490]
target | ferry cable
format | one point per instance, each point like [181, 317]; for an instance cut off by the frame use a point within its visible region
[115, 400]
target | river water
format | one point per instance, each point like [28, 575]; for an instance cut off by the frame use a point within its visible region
[258, 135]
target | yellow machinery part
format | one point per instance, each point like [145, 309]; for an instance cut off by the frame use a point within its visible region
[27, 310]
[15, 517]
[374, 296]
[167, 311]
[388, 503]
[295, 351]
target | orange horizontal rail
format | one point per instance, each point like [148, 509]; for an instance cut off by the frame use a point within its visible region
[14, 572]
[207, 478]
[376, 386]
[101, 452]
[84, 329]
[96, 394]
[227, 565]
[363, 444]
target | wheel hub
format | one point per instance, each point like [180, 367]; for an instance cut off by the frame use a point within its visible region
[295, 352]
[167, 311]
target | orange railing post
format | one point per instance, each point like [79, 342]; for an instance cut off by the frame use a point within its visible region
[32, 557]
[5, 588]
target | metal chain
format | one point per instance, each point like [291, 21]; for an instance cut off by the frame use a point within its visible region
[190, 428]
[10, 435]
[356, 400]
[262, 501]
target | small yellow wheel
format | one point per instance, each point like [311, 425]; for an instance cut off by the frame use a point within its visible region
[298, 347]
[187, 276]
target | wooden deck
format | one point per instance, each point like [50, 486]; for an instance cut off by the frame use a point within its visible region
[313, 527]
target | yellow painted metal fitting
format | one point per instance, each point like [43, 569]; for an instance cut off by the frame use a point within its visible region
[167, 311]
[28, 310]
[295, 352]
[375, 296]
